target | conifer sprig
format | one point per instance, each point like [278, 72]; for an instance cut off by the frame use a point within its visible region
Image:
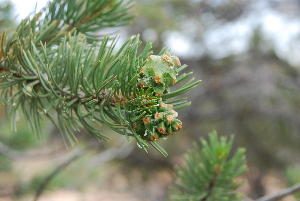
[210, 173]
[53, 66]
[87, 17]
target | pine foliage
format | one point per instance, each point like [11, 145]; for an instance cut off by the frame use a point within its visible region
[210, 172]
[56, 65]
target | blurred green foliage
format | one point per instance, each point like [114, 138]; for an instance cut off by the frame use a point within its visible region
[293, 177]
[6, 14]
[210, 173]
[22, 139]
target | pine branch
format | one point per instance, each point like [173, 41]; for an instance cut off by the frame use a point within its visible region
[88, 16]
[52, 67]
[209, 173]
[281, 194]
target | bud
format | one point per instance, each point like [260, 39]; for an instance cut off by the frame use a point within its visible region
[161, 128]
[154, 137]
[146, 120]
[158, 116]
[139, 127]
[170, 131]
[157, 77]
[169, 118]
[176, 125]
[143, 84]
[165, 107]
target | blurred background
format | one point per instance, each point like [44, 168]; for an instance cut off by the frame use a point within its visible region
[247, 55]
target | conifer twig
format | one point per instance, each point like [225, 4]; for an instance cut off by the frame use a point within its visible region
[210, 173]
[52, 66]
[281, 194]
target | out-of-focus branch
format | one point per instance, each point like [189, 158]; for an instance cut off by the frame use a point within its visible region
[75, 154]
[10, 153]
[104, 157]
[281, 194]
[111, 154]
[14, 155]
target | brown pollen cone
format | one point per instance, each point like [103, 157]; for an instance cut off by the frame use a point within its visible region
[168, 59]
[161, 130]
[158, 116]
[153, 138]
[157, 79]
[134, 126]
[169, 118]
[142, 85]
[146, 120]
[178, 127]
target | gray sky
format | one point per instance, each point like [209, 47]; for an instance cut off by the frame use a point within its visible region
[23, 8]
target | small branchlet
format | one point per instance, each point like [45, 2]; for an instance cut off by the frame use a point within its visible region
[210, 173]
[53, 65]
